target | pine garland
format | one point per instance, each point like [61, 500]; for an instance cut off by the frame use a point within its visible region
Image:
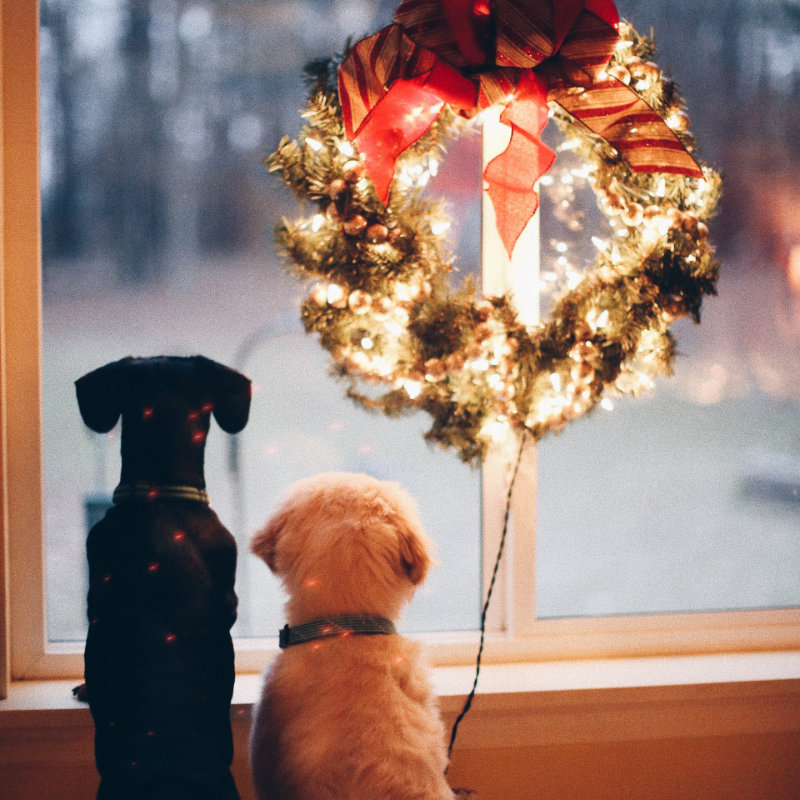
[403, 339]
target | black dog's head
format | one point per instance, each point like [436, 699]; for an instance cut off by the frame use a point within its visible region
[166, 403]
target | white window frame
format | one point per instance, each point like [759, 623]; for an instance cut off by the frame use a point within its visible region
[514, 633]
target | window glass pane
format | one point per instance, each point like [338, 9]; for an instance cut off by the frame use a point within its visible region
[690, 500]
[157, 221]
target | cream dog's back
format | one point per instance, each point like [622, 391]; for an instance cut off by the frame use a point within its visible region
[349, 719]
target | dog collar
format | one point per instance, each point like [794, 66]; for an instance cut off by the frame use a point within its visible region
[341, 626]
[138, 490]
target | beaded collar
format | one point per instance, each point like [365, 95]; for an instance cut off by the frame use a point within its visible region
[139, 490]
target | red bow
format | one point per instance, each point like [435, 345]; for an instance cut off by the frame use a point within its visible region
[471, 54]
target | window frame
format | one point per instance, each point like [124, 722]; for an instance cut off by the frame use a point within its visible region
[514, 633]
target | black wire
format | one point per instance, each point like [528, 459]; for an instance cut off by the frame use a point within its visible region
[471, 695]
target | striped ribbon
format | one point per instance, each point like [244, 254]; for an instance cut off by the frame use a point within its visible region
[471, 54]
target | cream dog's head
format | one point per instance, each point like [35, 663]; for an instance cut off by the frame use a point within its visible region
[345, 543]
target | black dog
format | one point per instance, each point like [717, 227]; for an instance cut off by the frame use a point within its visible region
[159, 665]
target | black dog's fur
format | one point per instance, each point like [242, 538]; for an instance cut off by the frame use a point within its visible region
[159, 667]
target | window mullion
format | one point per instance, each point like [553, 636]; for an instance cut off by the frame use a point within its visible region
[512, 609]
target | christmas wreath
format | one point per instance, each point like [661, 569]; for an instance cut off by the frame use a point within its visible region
[374, 246]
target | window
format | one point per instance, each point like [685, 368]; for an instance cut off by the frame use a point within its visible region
[538, 609]
[157, 212]
[689, 500]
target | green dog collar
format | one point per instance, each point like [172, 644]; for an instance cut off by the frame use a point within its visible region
[336, 627]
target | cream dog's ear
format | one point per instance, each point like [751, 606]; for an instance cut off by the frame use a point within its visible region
[265, 542]
[414, 555]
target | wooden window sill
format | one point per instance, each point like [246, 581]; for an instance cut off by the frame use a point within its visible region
[518, 704]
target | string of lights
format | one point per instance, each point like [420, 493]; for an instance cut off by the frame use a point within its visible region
[403, 338]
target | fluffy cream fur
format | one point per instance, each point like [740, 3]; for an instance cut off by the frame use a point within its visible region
[352, 718]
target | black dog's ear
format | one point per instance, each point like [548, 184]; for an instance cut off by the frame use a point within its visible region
[231, 391]
[100, 396]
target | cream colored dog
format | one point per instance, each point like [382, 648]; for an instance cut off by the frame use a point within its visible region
[347, 711]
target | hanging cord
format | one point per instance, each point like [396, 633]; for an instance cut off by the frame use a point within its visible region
[471, 695]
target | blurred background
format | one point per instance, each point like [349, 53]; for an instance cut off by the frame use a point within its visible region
[157, 227]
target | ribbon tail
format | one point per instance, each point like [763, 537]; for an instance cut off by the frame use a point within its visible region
[511, 176]
[611, 108]
[396, 123]
[619, 115]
